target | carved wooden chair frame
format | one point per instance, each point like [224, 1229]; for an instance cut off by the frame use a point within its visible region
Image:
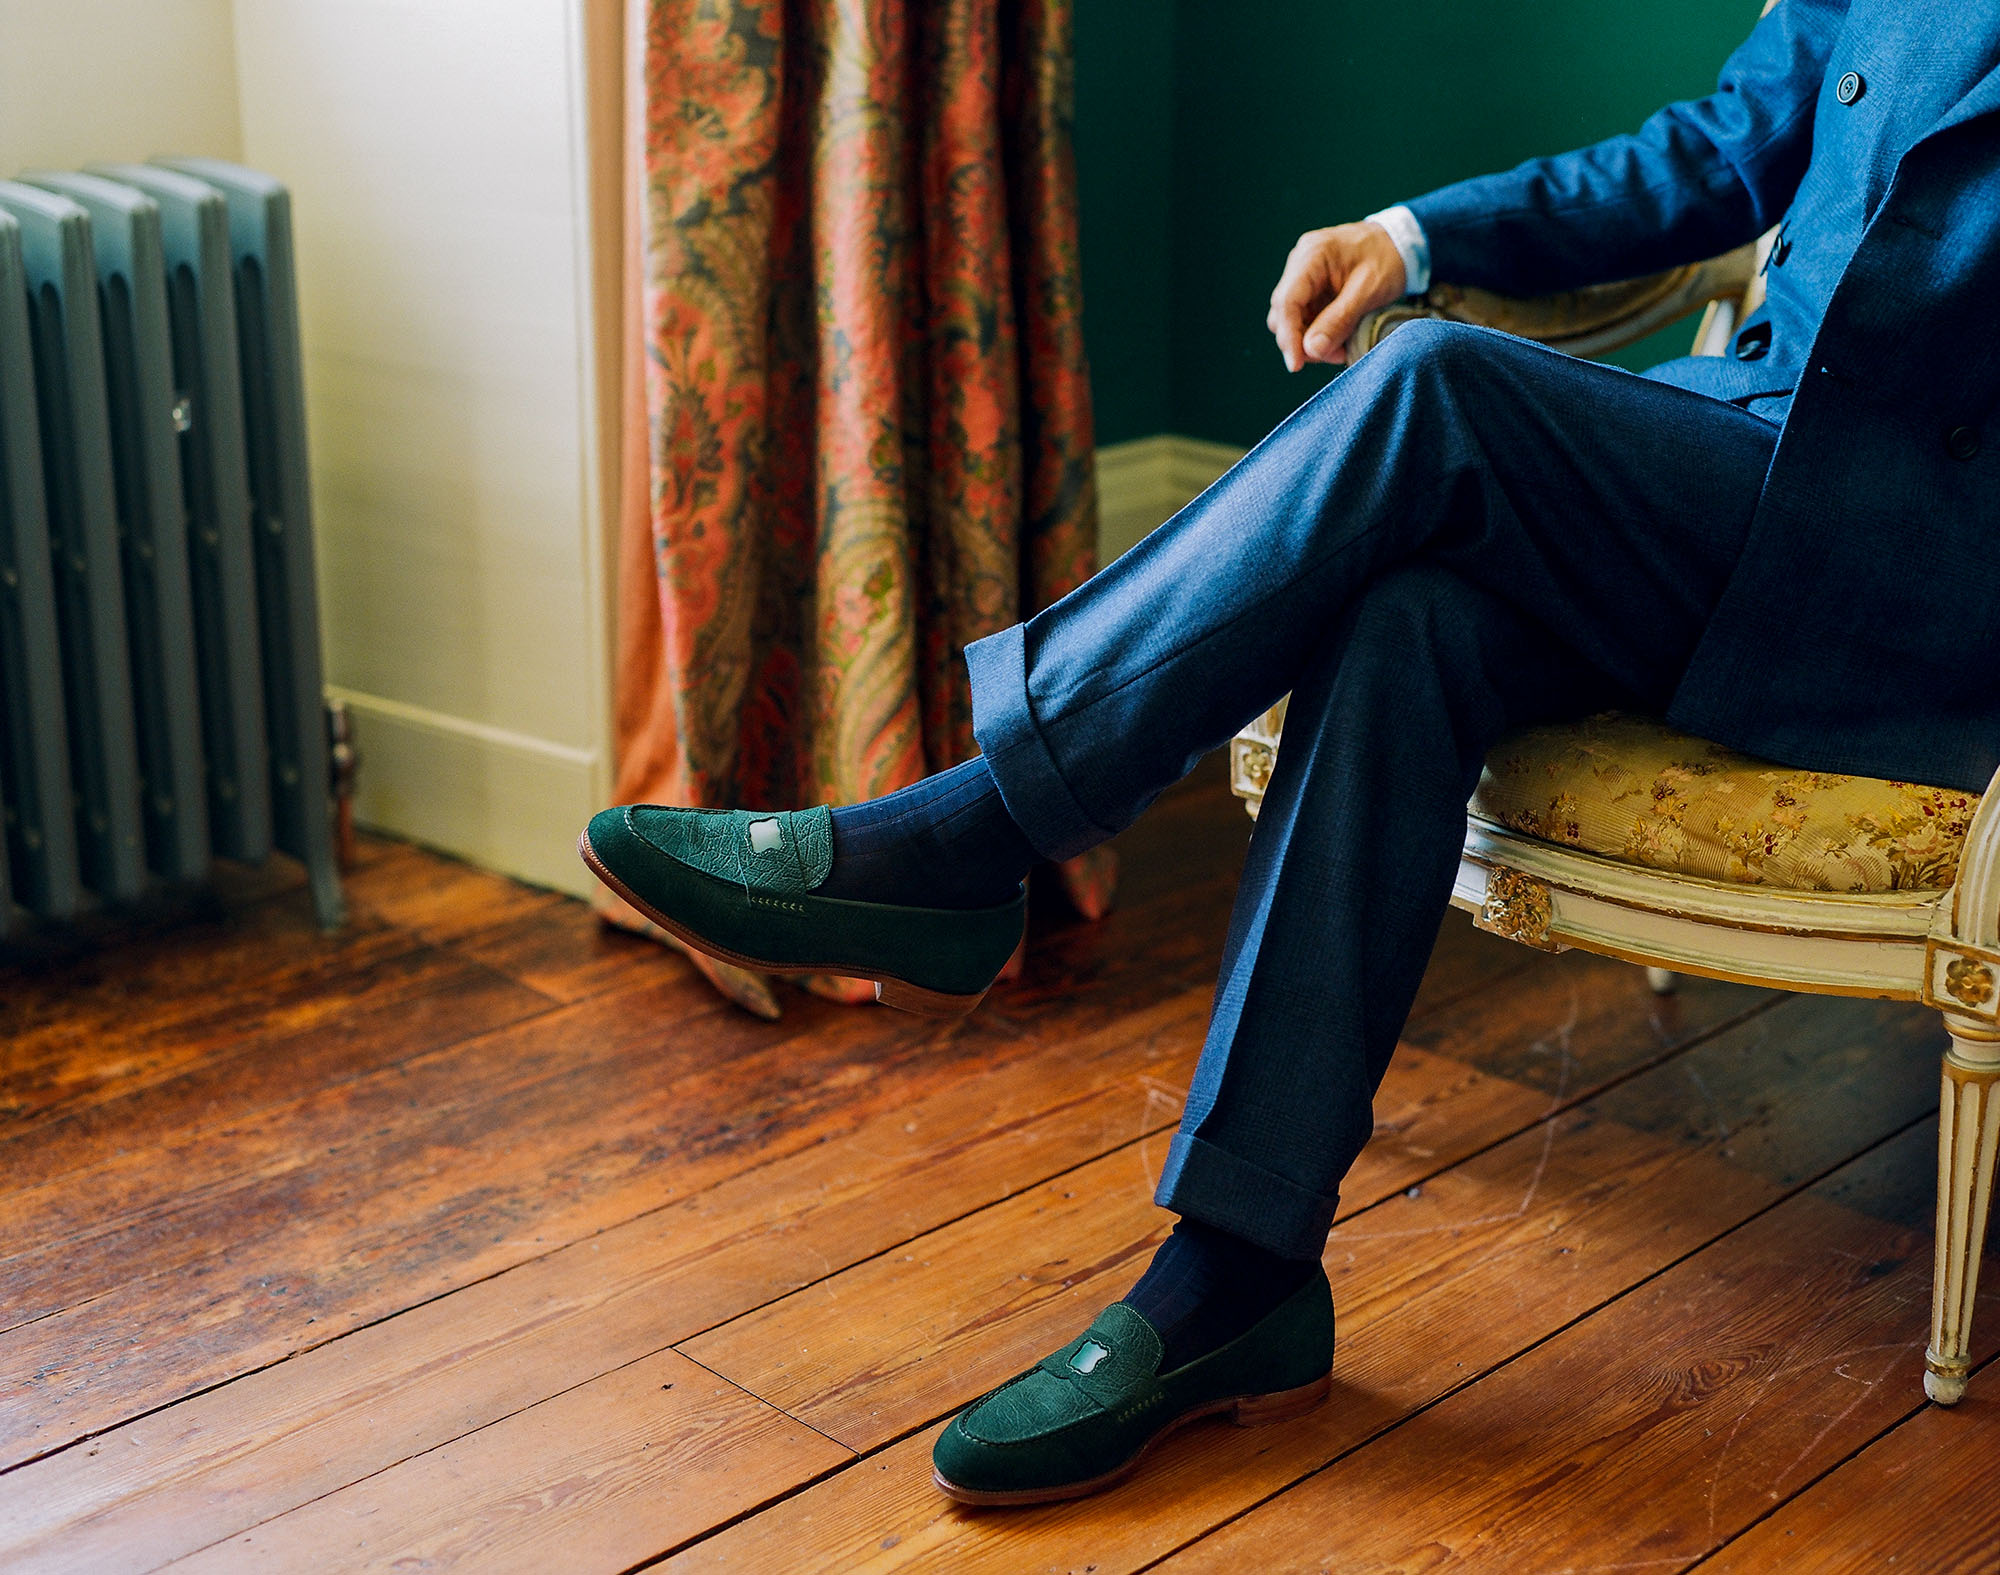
[1938, 947]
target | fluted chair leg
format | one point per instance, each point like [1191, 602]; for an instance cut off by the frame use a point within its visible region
[1968, 1137]
[1663, 980]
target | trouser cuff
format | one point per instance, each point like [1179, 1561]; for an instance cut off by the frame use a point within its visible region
[1214, 1186]
[1031, 785]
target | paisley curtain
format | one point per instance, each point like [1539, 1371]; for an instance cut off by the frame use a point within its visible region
[859, 434]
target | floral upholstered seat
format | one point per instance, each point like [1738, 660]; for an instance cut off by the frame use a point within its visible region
[1631, 788]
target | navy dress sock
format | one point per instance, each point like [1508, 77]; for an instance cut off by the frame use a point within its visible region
[1205, 1287]
[944, 842]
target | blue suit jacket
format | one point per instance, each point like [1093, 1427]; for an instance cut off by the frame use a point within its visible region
[1861, 629]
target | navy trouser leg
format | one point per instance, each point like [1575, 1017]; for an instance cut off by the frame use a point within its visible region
[1349, 870]
[1463, 534]
[1610, 506]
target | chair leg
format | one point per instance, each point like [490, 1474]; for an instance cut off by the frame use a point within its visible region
[1968, 1136]
[1663, 980]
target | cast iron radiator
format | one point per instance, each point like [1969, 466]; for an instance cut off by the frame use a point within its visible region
[161, 699]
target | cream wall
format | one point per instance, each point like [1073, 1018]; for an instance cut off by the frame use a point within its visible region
[435, 149]
[84, 80]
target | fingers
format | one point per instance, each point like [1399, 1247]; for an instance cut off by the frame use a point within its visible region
[1289, 330]
[1287, 327]
[1326, 339]
[1287, 320]
[1332, 279]
[1304, 287]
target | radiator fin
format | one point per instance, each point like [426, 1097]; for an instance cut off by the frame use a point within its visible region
[260, 234]
[152, 520]
[208, 405]
[40, 842]
[68, 359]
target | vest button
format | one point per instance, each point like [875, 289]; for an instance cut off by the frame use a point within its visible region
[1961, 442]
[1849, 87]
[1754, 343]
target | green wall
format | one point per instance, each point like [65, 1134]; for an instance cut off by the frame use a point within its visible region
[1229, 129]
[1124, 176]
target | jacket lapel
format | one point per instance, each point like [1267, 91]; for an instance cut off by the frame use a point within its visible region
[1981, 99]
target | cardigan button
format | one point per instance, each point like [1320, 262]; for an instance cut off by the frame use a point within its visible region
[1961, 442]
[1850, 87]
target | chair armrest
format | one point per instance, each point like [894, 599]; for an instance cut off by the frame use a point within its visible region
[1587, 322]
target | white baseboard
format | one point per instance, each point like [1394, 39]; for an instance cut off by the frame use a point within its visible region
[502, 800]
[1142, 483]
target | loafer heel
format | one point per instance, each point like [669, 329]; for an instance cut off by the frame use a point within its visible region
[1284, 1406]
[915, 998]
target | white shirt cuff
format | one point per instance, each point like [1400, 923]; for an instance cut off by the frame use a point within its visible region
[1411, 246]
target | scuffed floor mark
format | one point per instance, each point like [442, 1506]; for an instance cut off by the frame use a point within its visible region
[1557, 1042]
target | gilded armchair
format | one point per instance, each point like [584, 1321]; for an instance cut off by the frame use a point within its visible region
[1620, 836]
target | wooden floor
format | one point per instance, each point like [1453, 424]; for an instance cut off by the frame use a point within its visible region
[474, 1234]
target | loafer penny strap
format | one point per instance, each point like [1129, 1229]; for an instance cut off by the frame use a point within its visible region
[782, 851]
[1115, 1360]
[790, 850]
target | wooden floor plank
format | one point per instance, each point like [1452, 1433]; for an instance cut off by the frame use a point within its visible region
[104, 1023]
[164, 915]
[568, 953]
[372, 1248]
[886, 1175]
[256, 1447]
[879, 1348]
[1650, 1433]
[317, 1167]
[588, 1483]
[1919, 1498]
[350, 1204]
[912, 1322]
[1431, 1289]
[345, 1208]
[407, 1005]
[1578, 1008]
[438, 898]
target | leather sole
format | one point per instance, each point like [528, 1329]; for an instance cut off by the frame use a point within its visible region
[889, 990]
[1283, 1405]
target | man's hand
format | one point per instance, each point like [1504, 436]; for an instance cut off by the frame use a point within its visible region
[1332, 280]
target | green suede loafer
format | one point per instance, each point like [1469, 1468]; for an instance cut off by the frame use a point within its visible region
[739, 885]
[1082, 1419]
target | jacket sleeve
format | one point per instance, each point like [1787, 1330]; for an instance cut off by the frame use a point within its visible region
[1697, 179]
